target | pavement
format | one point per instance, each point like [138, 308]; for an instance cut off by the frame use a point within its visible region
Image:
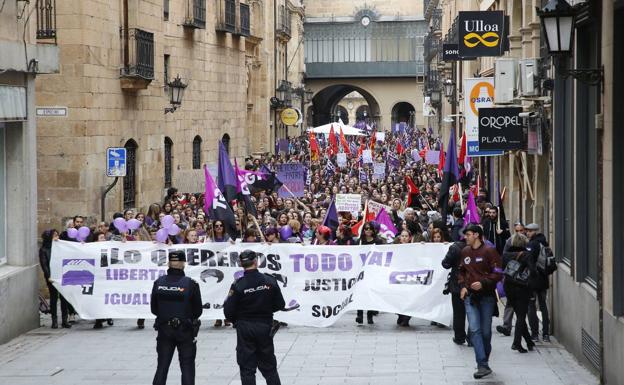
[343, 354]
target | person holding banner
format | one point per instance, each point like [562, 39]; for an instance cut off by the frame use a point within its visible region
[176, 302]
[369, 237]
[250, 304]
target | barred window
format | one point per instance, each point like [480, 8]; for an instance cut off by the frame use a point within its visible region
[168, 159]
[129, 181]
[197, 141]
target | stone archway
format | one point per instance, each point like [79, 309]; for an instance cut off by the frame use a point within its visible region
[325, 103]
[403, 112]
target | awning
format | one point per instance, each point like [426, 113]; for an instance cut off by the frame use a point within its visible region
[12, 103]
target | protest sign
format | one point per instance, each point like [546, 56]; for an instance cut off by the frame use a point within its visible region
[375, 207]
[114, 279]
[341, 159]
[367, 156]
[292, 175]
[348, 203]
[379, 170]
[380, 136]
[432, 157]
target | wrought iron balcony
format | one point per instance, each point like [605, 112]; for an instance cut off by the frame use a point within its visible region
[195, 14]
[226, 16]
[284, 19]
[432, 46]
[432, 81]
[436, 20]
[428, 8]
[46, 20]
[245, 18]
[138, 58]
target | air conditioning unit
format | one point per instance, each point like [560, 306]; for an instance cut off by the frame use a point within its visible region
[505, 80]
[529, 77]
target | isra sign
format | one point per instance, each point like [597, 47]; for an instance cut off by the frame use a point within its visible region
[481, 33]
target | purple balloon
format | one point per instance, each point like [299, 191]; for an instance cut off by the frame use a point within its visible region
[120, 224]
[162, 236]
[72, 233]
[83, 233]
[239, 274]
[173, 230]
[134, 224]
[286, 232]
[167, 221]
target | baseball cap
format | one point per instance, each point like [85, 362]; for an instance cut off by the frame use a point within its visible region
[473, 228]
[177, 256]
[247, 256]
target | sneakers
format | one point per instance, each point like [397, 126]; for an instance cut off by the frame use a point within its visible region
[503, 330]
[458, 342]
[482, 372]
[535, 337]
[546, 338]
[519, 348]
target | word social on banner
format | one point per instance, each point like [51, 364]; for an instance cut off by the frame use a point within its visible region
[114, 279]
[292, 175]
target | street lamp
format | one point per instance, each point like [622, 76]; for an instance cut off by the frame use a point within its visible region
[558, 22]
[283, 92]
[435, 96]
[176, 93]
[449, 89]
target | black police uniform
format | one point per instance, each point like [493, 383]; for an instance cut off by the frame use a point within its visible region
[250, 304]
[176, 303]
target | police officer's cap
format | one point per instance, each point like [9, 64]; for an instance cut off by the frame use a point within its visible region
[177, 256]
[247, 256]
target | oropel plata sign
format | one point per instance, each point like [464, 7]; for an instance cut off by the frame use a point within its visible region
[500, 128]
[481, 33]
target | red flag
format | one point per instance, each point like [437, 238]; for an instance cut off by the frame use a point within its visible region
[412, 191]
[314, 147]
[462, 151]
[400, 150]
[343, 141]
[368, 216]
[442, 160]
[333, 143]
[373, 139]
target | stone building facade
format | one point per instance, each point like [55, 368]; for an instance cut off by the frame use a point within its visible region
[116, 60]
[27, 50]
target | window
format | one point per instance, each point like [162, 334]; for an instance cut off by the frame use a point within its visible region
[168, 159]
[3, 254]
[166, 10]
[166, 71]
[197, 141]
[129, 181]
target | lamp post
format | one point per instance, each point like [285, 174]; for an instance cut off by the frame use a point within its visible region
[558, 22]
[176, 93]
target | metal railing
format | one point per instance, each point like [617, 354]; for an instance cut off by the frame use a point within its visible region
[195, 14]
[284, 19]
[432, 82]
[226, 16]
[46, 19]
[245, 18]
[428, 7]
[362, 49]
[436, 20]
[138, 53]
[432, 46]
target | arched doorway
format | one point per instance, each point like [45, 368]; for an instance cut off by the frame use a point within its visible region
[403, 112]
[129, 181]
[325, 102]
[342, 114]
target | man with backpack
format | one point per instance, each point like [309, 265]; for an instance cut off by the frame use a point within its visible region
[545, 265]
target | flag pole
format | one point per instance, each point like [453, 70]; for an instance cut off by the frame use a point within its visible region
[259, 229]
[461, 194]
[293, 195]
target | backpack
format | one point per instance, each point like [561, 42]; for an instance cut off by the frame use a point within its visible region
[546, 262]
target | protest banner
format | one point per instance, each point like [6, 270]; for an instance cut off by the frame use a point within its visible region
[348, 203]
[375, 207]
[367, 156]
[432, 157]
[379, 170]
[380, 136]
[341, 159]
[114, 279]
[292, 175]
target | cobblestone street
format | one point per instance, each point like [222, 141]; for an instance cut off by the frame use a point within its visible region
[343, 354]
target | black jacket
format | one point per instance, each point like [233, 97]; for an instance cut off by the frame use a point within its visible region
[456, 228]
[45, 254]
[165, 302]
[254, 297]
[489, 232]
[512, 290]
[376, 241]
[538, 281]
[451, 261]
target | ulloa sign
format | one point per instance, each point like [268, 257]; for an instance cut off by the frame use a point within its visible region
[481, 33]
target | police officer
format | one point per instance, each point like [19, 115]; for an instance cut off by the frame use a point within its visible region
[176, 303]
[250, 304]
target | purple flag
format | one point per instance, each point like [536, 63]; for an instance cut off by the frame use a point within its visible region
[283, 146]
[387, 227]
[243, 192]
[432, 157]
[472, 213]
[416, 156]
[363, 176]
[331, 218]
[393, 161]
[216, 207]
[450, 175]
[227, 175]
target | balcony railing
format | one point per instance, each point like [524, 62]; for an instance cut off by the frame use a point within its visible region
[284, 19]
[195, 14]
[226, 16]
[436, 20]
[46, 19]
[432, 46]
[138, 54]
[432, 83]
[428, 7]
[245, 20]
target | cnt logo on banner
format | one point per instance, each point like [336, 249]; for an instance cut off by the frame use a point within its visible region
[481, 33]
[500, 128]
[114, 279]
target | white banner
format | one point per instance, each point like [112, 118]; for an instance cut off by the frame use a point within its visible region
[351, 203]
[341, 159]
[114, 279]
[367, 156]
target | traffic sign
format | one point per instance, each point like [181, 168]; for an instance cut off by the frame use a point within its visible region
[116, 161]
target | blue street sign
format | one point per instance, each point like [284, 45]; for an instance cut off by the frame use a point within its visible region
[116, 161]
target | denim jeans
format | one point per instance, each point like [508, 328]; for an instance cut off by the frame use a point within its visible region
[480, 325]
[540, 295]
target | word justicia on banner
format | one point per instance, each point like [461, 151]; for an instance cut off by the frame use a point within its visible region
[114, 279]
